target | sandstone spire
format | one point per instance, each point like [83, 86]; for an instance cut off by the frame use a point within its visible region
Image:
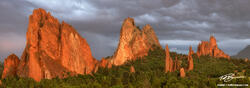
[134, 42]
[168, 61]
[210, 48]
[10, 66]
[190, 60]
[191, 52]
[132, 69]
[53, 49]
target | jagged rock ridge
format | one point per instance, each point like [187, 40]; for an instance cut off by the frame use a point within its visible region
[210, 48]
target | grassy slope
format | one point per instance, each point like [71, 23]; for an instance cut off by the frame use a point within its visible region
[149, 74]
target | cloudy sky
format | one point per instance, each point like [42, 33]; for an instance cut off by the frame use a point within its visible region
[179, 23]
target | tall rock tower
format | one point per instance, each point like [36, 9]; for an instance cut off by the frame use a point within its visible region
[134, 42]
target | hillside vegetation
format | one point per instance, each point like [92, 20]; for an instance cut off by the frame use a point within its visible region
[149, 73]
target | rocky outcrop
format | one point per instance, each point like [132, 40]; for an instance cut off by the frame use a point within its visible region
[134, 42]
[105, 63]
[190, 59]
[53, 49]
[132, 69]
[10, 66]
[182, 73]
[168, 61]
[210, 48]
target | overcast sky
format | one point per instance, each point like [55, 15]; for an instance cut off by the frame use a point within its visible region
[179, 23]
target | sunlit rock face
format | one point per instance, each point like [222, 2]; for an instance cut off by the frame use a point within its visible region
[210, 48]
[134, 42]
[10, 66]
[53, 49]
[76, 54]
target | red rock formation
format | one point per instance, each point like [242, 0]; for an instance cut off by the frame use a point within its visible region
[191, 52]
[171, 65]
[210, 48]
[176, 64]
[168, 61]
[182, 72]
[190, 59]
[132, 69]
[105, 63]
[10, 66]
[134, 42]
[53, 49]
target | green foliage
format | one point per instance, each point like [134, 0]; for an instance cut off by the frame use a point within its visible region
[149, 74]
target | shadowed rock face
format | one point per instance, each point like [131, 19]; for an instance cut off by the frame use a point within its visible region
[10, 66]
[210, 48]
[53, 49]
[134, 42]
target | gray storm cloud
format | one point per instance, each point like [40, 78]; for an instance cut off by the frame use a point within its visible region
[179, 23]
